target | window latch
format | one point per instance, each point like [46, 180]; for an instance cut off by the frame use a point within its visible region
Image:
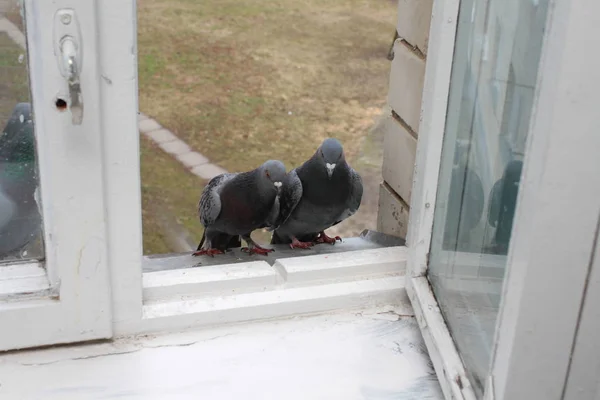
[68, 51]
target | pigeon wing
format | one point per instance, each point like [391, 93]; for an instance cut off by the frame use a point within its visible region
[355, 196]
[209, 206]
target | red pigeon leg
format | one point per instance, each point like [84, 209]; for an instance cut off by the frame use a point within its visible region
[296, 244]
[207, 252]
[323, 238]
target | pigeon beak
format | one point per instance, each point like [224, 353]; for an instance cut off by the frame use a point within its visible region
[330, 168]
[277, 186]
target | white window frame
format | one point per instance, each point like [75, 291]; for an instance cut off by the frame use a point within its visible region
[547, 273]
[66, 298]
[187, 297]
[110, 289]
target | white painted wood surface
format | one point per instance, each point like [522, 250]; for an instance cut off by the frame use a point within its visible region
[443, 352]
[182, 299]
[219, 279]
[72, 194]
[557, 212]
[431, 133]
[372, 354]
[192, 312]
[351, 265]
[117, 21]
[583, 381]
[23, 279]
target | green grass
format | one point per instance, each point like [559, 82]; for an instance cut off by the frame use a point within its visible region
[168, 191]
[246, 81]
[225, 75]
[14, 87]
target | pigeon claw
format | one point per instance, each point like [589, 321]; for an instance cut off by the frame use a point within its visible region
[323, 238]
[296, 244]
[207, 252]
[257, 250]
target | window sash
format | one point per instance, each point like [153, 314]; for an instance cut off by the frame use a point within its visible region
[544, 269]
[177, 299]
[71, 303]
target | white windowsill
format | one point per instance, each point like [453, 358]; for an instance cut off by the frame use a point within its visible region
[190, 297]
[371, 353]
[180, 299]
[24, 280]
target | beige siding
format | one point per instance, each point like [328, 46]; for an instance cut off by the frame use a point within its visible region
[414, 17]
[407, 74]
[406, 84]
[399, 152]
[393, 213]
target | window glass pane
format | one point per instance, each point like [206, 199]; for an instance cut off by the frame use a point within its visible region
[492, 89]
[20, 220]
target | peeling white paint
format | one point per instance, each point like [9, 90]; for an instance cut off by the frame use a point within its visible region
[341, 356]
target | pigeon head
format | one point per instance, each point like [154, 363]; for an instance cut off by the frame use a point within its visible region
[331, 153]
[273, 172]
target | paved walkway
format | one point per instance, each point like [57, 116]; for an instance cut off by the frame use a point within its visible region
[197, 163]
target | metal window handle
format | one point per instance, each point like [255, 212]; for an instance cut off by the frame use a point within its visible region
[70, 65]
[68, 52]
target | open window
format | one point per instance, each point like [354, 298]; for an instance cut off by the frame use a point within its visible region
[508, 122]
[87, 126]
[503, 158]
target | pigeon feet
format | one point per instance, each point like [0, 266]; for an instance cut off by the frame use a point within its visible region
[323, 238]
[296, 244]
[207, 252]
[257, 250]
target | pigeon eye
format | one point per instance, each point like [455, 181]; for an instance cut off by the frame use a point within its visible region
[268, 175]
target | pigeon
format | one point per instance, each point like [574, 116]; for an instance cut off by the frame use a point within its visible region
[233, 205]
[320, 193]
[503, 204]
[20, 217]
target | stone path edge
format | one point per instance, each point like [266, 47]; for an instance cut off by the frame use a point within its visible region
[167, 141]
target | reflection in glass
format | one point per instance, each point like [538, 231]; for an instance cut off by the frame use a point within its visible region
[493, 80]
[20, 220]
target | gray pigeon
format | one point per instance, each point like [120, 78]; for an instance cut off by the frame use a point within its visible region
[235, 204]
[20, 219]
[320, 193]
